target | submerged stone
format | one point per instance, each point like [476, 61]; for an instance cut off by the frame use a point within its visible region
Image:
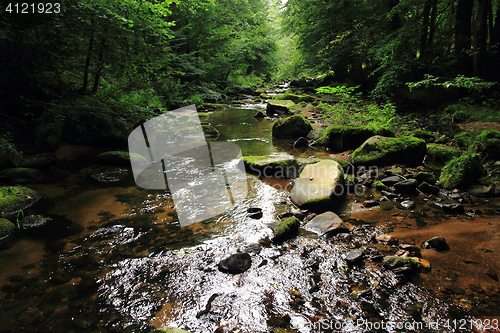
[320, 187]
[210, 131]
[354, 256]
[328, 223]
[235, 263]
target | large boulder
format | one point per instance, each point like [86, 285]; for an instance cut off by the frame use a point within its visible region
[380, 150]
[341, 138]
[291, 127]
[461, 171]
[295, 98]
[441, 153]
[280, 107]
[6, 228]
[320, 187]
[15, 198]
[328, 223]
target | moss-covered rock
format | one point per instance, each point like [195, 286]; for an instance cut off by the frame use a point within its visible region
[20, 175]
[272, 166]
[120, 158]
[265, 96]
[259, 114]
[422, 176]
[203, 115]
[441, 153]
[320, 187]
[6, 228]
[393, 262]
[15, 198]
[461, 171]
[486, 142]
[41, 161]
[285, 229]
[210, 131]
[350, 137]
[280, 107]
[291, 127]
[212, 106]
[347, 167]
[380, 150]
[295, 98]
[422, 134]
[48, 137]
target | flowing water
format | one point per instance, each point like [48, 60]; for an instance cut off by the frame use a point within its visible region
[117, 260]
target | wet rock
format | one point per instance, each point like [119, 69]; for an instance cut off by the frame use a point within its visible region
[428, 188]
[33, 221]
[452, 208]
[210, 131]
[15, 198]
[285, 215]
[393, 262]
[388, 194]
[406, 186]
[48, 137]
[461, 171]
[109, 176]
[407, 204]
[20, 175]
[492, 274]
[342, 138]
[413, 250]
[121, 158]
[441, 153]
[298, 213]
[260, 114]
[422, 176]
[301, 142]
[328, 223]
[457, 196]
[6, 228]
[379, 150]
[279, 107]
[291, 127]
[405, 270]
[473, 212]
[255, 213]
[354, 256]
[285, 229]
[320, 187]
[370, 203]
[235, 263]
[344, 237]
[386, 238]
[390, 181]
[253, 249]
[272, 167]
[437, 243]
[169, 330]
[41, 161]
[482, 191]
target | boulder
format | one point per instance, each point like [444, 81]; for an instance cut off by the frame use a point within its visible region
[291, 127]
[437, 243]
[406, 186]
[340, 138]
[6, 228]
[210, 131]
[279, 107]
[328, 223]
[380, 150]
[295, 98]
[285, 229]
[272, 167]
[354, 256]
[428, 188]
[15, 198]
[48, 137]
[320, 187]
[441, 153]
[461, 171]
[486, 142]
[390, 181]
[20, 175]
[235, 263]
[422, 176]
[41, 161]
[482, 191]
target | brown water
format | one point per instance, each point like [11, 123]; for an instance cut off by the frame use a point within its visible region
[122, 263]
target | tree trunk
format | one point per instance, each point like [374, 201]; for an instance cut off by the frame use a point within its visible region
[87, 62]
[395, 20]
[463, 36]
[480, 35]
[495, 47]
[432, 27]
[424, 31]
[100, 65]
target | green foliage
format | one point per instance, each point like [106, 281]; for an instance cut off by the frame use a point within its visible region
[8, 150]
[469, 83]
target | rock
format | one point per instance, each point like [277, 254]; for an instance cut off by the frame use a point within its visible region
[33, 221]
[253, 249]
[298, 214]
[291, 127]
[461, 171]
[264, 96]
[20, 175]
[406, 186]
[441, 153]
[393, 262]
[482, 191]
[121, 158]
[408, 204]
[320, 187]
[260, 114]
[301, 142]
[380, 150]
[6, 228]
[255, 213]
[210, 131]
[421, 134]
[16, 198]
[354, 256]
[285, 229]
[422, 176]
[413, 250]
[109, 176]
[491, 273]
[486, 142]
[428, 188]
[295, 98]
[48, 137]
[169, 330]
[272, 167]
[340, 138]
[41, 161]
[390, 181]
[285, 215]
[328, 223]
[452, 208]
[279, 106]
[235, 263]
[437, 243]
[385, 238]
[370, 203]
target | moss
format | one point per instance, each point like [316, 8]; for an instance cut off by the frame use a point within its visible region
[393, 262]
[212, 106]
[295, 98]
[386, 150]
[259, 114]
[464, 139]
[346, 166]
[6, 227]
[20, 175]
[279, 106]
[169, 330]
[286, 228]
[15, 198]
[461, 171]
[350, 137]
[378, 185]
[203, 115]
[119, 158]
[437, 152]
[422, 134]
[422, 176]
[316, 202]
[264, 96]
[272, 166]
[210, 131]
[294, 126]
[486, 142]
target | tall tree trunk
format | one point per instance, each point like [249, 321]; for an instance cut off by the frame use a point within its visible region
[395, 20]
[463, 36]
[424, 31]
[480, 35]
[87, 61]
[432, 26]
[495, 47]
[100, 65]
